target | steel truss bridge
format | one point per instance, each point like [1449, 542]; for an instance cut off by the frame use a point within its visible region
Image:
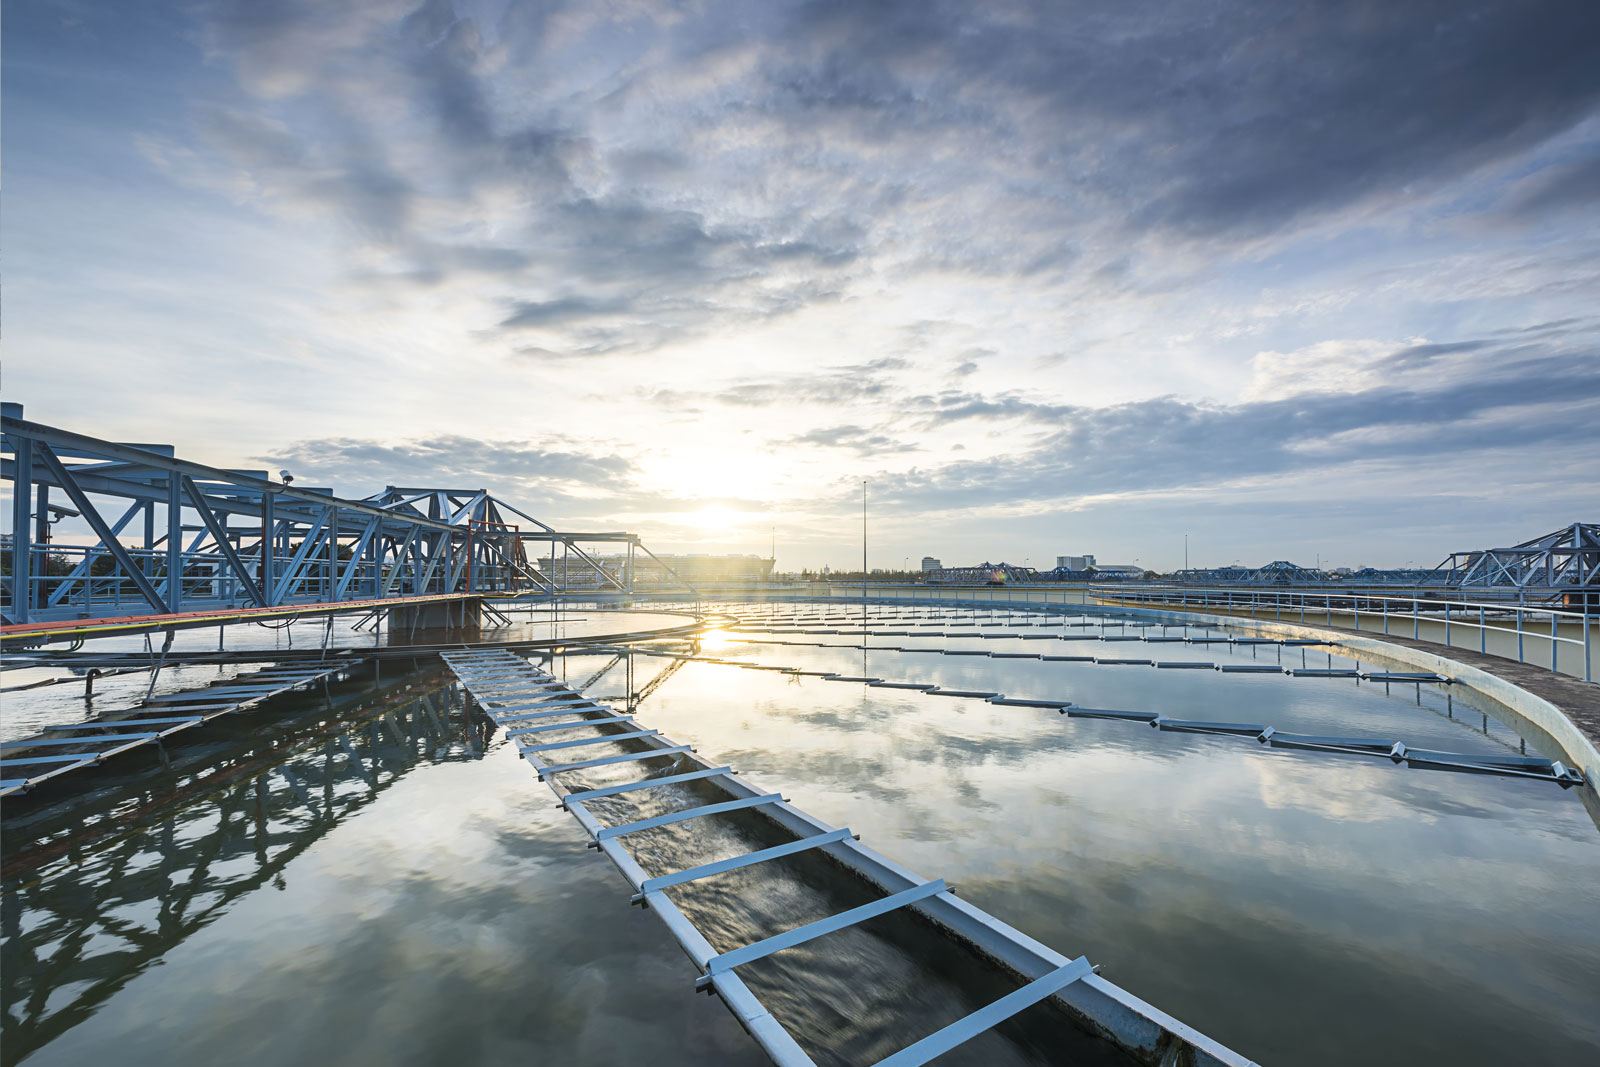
[163, 542]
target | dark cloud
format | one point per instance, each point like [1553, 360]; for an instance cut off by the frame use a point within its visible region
[1208, 118]
[1522, 399]
[1556, 189]
[636, 180]
[557, 312]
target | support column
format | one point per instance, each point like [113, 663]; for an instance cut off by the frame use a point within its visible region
[22, 531]
[269, 546]
[174, 542]
[463, 618]
[333, 555]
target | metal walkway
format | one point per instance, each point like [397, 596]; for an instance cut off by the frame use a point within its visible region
[59, 750]
[530, 704]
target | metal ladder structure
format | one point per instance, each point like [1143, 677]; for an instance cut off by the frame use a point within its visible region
[529, 702]
[61, 749]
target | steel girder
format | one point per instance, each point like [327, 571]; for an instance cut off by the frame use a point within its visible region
[985, 574]
[154, 533]
[1564, 560]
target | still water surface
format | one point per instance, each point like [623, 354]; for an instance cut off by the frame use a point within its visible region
[423, 901]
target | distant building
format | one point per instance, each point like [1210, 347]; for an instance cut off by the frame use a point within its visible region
[1074, 563]
[1132, 570]
[930, 564]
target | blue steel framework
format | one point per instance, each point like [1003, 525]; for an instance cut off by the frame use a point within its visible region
[169, 536]
[1565, 560]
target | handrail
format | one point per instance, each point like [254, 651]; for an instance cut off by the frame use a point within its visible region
[1530, 621]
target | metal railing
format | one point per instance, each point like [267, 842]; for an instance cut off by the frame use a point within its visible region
[1561, 638]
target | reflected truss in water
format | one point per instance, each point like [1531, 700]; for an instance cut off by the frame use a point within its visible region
[101, 892]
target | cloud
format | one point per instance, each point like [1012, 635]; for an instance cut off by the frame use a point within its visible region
[857, 439]
[521, 472]
[832, 386]
[1423, 407]
[611, 181]
[1139, 249]
[1556, 189]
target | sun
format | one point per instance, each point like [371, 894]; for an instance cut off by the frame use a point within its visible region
[713, 519]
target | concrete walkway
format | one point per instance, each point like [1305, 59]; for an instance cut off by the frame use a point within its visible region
[1577, 699]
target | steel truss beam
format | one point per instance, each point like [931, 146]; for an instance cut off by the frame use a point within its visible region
[213, 538]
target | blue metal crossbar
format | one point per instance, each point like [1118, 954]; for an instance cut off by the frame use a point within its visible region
[688, 813]
[986, 1018]
[533, 704]
[810, 931]
[749, 859]
[575, 723]
[236, 695]
[527, 674]
[626, 757]
[528, 685]
[550, 746]
[33, 742]
[81, 757]
[102, 724]
[647, 783]
[570, 709]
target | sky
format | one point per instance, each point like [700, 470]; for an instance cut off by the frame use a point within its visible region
[1297, 280]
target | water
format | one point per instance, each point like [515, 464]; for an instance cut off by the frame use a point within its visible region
[1302, 907]
[28, 711]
